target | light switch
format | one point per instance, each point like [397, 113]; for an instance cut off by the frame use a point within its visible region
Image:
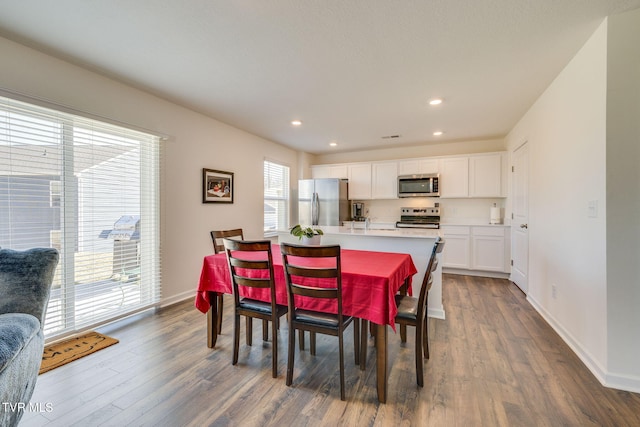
[592, 209]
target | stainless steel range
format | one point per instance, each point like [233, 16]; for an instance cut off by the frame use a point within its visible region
[419, 217]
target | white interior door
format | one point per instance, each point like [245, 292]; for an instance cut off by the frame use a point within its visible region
[520, 221]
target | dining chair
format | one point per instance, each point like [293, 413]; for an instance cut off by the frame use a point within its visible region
[218, 246]
[412, 311]
[315, 272]
[248, 272]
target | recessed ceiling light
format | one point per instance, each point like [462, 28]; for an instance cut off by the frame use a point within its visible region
[438, 133]
[435, 101]
[296, 122]
[333, 144]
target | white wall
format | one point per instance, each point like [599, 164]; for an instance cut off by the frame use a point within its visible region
[566, 132]
[623, 199]
[196, 142]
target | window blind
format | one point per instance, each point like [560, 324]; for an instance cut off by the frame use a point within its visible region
[276, 197]
[91, 190]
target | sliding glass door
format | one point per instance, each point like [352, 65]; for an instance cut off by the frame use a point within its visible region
[91, 190]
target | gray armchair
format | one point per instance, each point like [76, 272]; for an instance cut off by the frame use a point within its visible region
[25, 284]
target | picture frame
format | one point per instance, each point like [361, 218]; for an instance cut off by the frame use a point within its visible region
[217, 186]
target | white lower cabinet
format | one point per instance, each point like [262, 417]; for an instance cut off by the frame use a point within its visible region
[488, 249]
[477, 248]
[456, 247]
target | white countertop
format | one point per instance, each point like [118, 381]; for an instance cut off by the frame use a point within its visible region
[419, 233]
[446, 222]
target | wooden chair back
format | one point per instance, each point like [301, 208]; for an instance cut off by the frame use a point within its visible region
[427, 280]
[249, 272]
[218, 235]
[293, 271]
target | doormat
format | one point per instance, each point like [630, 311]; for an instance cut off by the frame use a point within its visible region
[63, 352]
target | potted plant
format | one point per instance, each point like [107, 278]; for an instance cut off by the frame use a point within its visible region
[308, 235]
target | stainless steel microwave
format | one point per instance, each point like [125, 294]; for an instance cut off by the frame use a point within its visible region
[426, 185]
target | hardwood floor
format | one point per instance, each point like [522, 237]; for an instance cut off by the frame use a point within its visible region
[494, 362]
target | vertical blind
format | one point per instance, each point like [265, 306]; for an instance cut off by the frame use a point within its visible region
[276, 197]
[91, 190]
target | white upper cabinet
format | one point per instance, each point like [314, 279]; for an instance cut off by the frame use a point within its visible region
[486, 174]
[329, 171]
[417, 166]
[359, 175]
[454, 177]
[384, 180]
[475, 175]
[481, 175]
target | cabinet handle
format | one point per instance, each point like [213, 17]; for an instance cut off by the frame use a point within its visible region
[524, 226]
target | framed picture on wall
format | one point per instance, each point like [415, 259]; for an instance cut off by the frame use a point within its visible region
[217, 186]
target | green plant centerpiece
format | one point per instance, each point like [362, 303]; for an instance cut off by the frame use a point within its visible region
[308, 235]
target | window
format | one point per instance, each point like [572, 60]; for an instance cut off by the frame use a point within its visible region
[276, 197]
[90, 190]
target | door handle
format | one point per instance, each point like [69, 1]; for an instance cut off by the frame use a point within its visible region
[524, 225]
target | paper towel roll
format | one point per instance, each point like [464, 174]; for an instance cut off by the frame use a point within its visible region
[495, 216]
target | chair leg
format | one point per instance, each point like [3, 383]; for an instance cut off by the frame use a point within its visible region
[274, 348]
[220, 306]
[418, 355]
[265, 330]
[249, 331]
[356, 340]
[236, 338]
[363, 343]
[301, 339]
[290, 356]
[403, 332]
[312, 343]
[340, 342]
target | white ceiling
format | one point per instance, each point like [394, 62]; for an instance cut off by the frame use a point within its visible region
[353, 71]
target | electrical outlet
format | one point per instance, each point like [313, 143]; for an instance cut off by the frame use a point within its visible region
[554, 291]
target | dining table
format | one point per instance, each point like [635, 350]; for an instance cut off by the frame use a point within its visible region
[370, 281]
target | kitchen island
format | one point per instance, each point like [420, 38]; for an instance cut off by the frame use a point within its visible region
[416, 242]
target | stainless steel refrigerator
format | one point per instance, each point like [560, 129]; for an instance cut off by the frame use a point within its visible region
[322, 201]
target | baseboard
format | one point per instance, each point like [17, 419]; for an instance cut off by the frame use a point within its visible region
[607, 379]
[476, 273]
[165, 302]
[436, 313]
[623, 382]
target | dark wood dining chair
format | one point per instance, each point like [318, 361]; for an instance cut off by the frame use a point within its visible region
[218, 246]
[412, 311]
[253, 273]
[326, 283]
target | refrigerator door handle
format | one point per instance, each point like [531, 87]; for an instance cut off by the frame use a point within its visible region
[314, 209]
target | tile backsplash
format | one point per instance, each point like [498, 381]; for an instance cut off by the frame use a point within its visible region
[451, 210]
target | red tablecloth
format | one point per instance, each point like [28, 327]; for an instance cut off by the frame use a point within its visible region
[369, 282]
